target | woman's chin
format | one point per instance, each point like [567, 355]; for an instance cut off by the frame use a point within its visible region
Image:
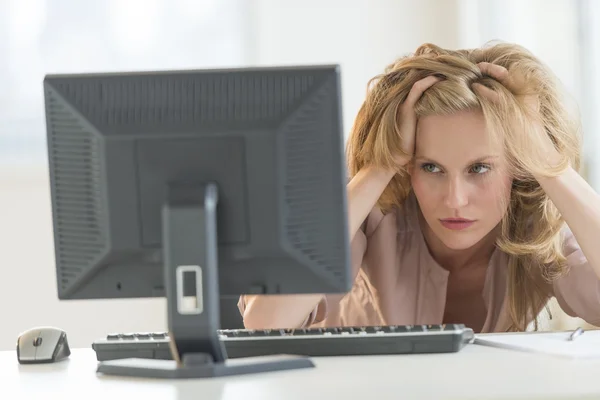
[459, 241]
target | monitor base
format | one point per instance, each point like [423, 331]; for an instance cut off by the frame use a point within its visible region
[200, 366]
[192, 289]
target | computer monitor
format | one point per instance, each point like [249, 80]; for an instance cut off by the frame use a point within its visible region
[196, 184]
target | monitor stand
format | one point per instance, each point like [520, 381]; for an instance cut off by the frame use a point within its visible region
[192, 291]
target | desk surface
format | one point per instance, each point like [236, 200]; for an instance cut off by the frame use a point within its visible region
[476, 372]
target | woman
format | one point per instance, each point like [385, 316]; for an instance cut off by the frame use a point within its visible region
[464, 204]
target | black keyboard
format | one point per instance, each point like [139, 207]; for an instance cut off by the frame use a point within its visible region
[314, 342]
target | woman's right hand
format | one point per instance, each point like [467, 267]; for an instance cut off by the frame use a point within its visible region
[407, 118]
[366, 187]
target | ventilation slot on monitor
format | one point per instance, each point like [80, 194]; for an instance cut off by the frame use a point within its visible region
[180, 100]
[78, 214]
[309, 229]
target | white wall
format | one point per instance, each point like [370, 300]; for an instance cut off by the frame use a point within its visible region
[589, 16]
[362, 35]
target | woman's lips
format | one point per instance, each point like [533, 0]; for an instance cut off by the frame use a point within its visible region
[457, 224]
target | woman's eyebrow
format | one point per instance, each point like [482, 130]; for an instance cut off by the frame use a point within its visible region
[488, 157]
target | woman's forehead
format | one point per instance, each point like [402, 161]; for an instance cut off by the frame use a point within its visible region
[455, 139]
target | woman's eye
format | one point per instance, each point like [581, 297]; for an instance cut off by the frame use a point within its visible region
[430, 168]
[480, 169]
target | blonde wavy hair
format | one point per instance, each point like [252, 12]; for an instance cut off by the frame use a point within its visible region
[530, 233]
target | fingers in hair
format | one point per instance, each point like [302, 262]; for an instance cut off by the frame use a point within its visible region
[419, 87]
[497, 72]
[486, 92]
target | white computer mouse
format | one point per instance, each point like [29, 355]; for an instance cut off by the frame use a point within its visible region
[42, 345]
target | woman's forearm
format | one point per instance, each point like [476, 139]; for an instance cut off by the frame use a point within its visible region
[579, 205]
[279, 311]
[364, 190]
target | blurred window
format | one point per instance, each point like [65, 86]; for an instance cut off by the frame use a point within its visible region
[69, 36]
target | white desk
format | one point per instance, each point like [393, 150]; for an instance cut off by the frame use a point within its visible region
[476, 372]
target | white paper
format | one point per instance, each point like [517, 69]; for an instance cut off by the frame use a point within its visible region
[586, 345]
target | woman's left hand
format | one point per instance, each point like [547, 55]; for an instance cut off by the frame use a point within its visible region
[576, 200]
[516, 83]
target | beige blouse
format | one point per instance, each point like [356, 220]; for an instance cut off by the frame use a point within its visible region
[399, 282]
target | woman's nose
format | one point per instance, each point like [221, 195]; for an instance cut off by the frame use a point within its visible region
[456, 196]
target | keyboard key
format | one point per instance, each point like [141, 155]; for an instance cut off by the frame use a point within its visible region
[300, 332]
[244, 333]
[158, 335]
[142, 336]
[453, 327]
[398, 329]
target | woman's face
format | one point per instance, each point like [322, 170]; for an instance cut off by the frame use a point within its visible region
[459, 178]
